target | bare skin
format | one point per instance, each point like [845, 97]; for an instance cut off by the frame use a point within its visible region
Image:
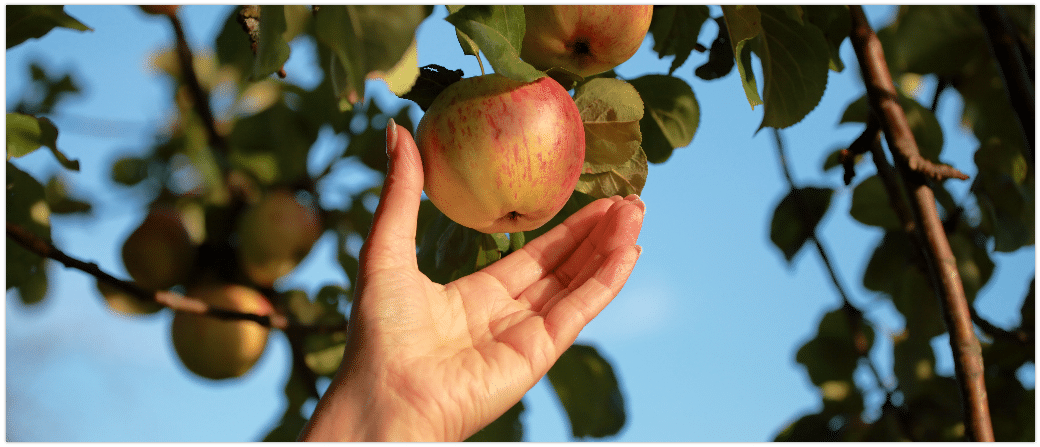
[432, 362]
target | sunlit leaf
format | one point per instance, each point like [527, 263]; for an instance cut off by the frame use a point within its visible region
[498, 30]
[744, 23]
[27, 133]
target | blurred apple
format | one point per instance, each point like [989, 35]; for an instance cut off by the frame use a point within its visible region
[584, 39]
[500, 155]
[275, 234]
[160, 253]
[125, 303]
[219, 349]
[166, 10]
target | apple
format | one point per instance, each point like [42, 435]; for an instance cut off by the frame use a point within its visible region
[166, 10]
[160, 253]
[499, 155]
[584, 39]
[220, 349]
[275, 234]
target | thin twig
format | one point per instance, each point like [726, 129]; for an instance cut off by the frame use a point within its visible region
[169, 299]
[200, 97]
[941, 265]
[1017, 84]
[852, 313]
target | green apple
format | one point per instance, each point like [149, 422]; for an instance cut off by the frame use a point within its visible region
[500, 155]
[220, 349]
[275, 234]
[160, 253]
[584, 39]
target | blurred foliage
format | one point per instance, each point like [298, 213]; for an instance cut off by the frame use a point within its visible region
[271, 126]
[948, 42]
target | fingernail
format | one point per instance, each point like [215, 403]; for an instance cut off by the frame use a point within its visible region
[391, 136]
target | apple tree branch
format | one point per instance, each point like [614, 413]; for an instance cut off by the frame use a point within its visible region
[929, 236]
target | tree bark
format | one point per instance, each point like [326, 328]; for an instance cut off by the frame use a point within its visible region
[929, 235]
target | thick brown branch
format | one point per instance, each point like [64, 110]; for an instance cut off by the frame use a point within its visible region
[931, 240]
[1017, 83]
[168, 299]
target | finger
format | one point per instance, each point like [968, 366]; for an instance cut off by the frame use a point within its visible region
[568, 315]
[391, 241]
[523, 268]
[620, 226]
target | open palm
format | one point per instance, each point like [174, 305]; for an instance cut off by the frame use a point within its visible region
[430, 362]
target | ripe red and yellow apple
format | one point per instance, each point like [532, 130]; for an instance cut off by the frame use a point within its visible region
[275, 234]
[584, 39]
[159, 253]
[215, 348]
[499, 155]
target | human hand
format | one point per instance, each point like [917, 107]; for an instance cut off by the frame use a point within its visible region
[431, 362]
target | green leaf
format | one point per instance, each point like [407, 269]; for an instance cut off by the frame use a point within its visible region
[27, 133]
[26, 22]
[720, 56]
[60, 201]
[743, 22]
[516, 241]
[324, 352]
[272, 50]
[675, 29]
[795, 60]
[26, 208]
[489, 249]
[273, 144]
[129, 171]
[796, 217]
[507, 428]
[1006, 195]
[811, 428]
[611, 110]
[586, 386]
[870, 205]
[365, 39]
[747, 74]
[498, 31]
[937, 39]
[893, 269]
[623, 180]
[927, 133]
[835, 23]
[832, 355]
[671, 118]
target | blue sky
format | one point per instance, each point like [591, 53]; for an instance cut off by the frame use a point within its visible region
[703, 337]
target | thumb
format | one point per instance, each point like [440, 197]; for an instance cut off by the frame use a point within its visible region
[391, 241]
